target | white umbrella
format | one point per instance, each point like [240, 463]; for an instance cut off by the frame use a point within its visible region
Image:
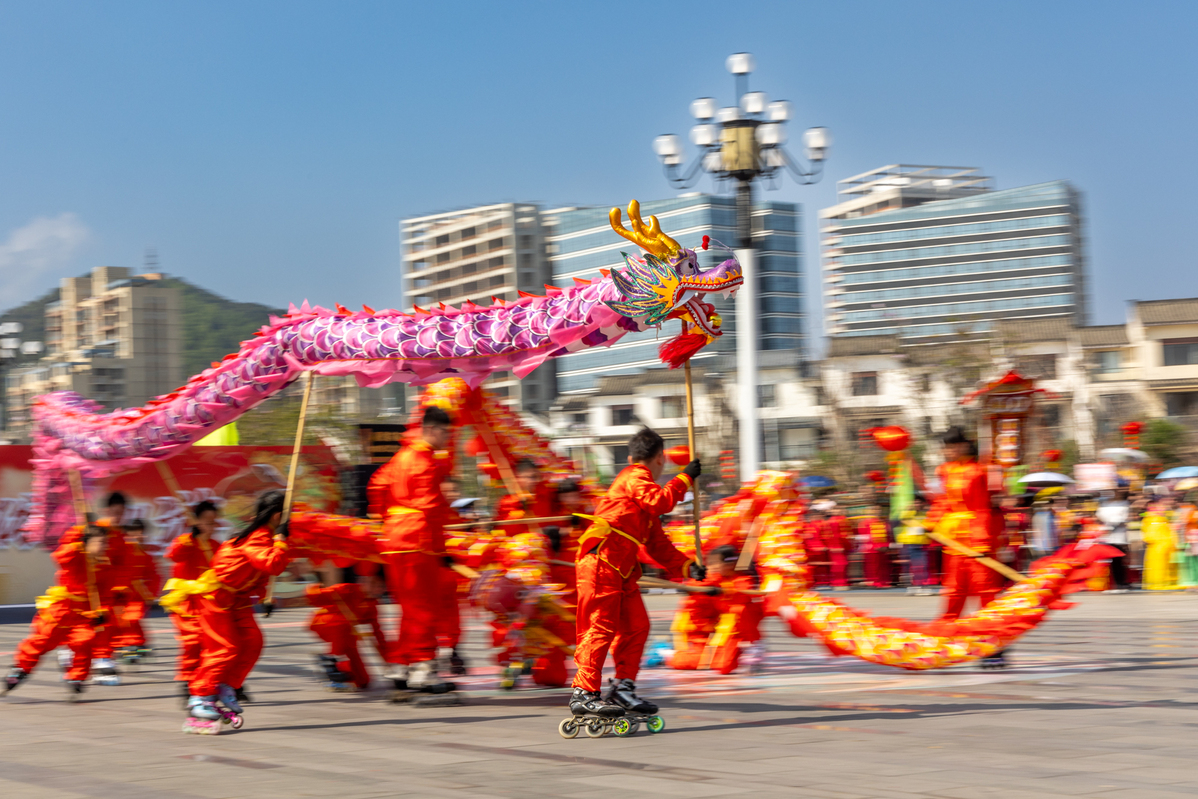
[1045, 479]
[1123, 454]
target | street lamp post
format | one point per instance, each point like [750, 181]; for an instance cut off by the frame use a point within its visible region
[743, 143]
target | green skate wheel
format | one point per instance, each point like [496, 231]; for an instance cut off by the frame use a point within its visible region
[568, 728]
[655, 724]
[624, 727]
[595, 728]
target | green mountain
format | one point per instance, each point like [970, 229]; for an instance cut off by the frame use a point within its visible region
[213, 326]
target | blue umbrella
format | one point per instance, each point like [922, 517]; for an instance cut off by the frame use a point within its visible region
[815, 481]
[1178, 472]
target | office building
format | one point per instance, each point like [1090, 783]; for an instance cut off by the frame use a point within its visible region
[476, 254]
[921, 251]
[113, 337]
[581, 242]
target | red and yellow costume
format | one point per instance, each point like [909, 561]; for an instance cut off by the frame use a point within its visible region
[191, 557]
[138, 589]
[232, 639]
[343, 615]
[408, 491]
[875, 550]
[708, 630]
[71, 611]
[610, 608]
[116, 551]
[525, 506]
[963, 513]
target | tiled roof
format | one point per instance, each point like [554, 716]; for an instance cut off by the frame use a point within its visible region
[1168, 312]
[1103, 335]
[1055, 328]
[839, 346]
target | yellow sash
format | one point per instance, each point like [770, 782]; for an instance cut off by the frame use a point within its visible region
[599, 531]
[55, 594]
[178, 590]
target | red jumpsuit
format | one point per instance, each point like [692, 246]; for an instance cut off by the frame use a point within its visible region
[611, 613]
[963, 513]
[408, 490]
[525, 506]
[69, 612]
[192, 557]
[708, 630]
[875, 549]
[342, 613]
[116, 551]
[834, 532]
[134, 596]
[232, 638]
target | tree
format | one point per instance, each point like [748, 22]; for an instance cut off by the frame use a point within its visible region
[1165, 440]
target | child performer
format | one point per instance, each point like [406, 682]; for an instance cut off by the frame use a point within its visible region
[232, 639]
[72, 612]
[344, 613]
[610, 608]
[192, 554]
[875, 547]
[138, 593]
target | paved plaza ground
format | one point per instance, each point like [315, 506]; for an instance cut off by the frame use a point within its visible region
[1101, 701]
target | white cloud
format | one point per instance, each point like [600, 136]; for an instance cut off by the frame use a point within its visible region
[36, 254]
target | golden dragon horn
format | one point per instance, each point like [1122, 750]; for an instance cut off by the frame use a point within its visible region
[649, 238]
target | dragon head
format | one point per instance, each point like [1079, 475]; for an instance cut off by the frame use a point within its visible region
[667, 283]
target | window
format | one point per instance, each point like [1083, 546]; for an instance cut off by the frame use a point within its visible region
[442, 241]
[468, 251]
[469, 269]
[1043, 367]
[622, 415]
[619, 456]
[467, 233]
[925, 383]
[1180, 351]
[672, 408]
[495, 244]
[578, 418]
[1050, 416]
[532, 391]
[1108, 361]
[767, 397]
[1181, 403]
[526, 242]
[496, 280]
[865, 384]
[443, 258]
[821, 397]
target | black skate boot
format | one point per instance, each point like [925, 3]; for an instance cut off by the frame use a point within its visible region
[242, 697]
[423, 677]
[14, 678]
[623, 694]
[996, 661]
[74, 690]
[457, 666]
[590, 703]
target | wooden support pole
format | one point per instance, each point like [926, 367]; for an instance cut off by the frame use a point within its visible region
[289, 494]
[495, 523]
[690, 440]
[998, 566]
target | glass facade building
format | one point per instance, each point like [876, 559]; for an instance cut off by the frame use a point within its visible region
[581, 242]
[901, 259]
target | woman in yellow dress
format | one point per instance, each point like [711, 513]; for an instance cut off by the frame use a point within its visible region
[1160, 572]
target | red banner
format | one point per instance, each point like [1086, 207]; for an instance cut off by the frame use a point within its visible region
[232, 477]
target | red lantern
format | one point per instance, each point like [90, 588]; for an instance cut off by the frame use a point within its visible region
[679, 455]
[875, 477]
[1131, 434]
[1052, 455]
[891, 438]
[476, 446]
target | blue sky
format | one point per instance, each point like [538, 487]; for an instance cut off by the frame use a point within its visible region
[268, 149]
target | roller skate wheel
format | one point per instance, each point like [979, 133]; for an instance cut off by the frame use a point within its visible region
[595, 728]
[655, 724]
[568, 728]
[236, 722]
[624, 727]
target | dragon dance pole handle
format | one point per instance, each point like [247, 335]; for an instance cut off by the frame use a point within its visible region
[750, 548]
[498, 522]
[78, 497]
[690, 441]
[289, 495]
[998, 566]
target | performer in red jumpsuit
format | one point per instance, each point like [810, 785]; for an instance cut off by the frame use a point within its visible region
[241, 571]
[837, 539]
[137, 595]
[712, 629]
[563, 537]
[535, 499]
[817, 553]
[345, 613]
[408, 491]
[117, 552]
[191, 553]
[874, 539]
[72, 611]
[963, 512]
[610, 608]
